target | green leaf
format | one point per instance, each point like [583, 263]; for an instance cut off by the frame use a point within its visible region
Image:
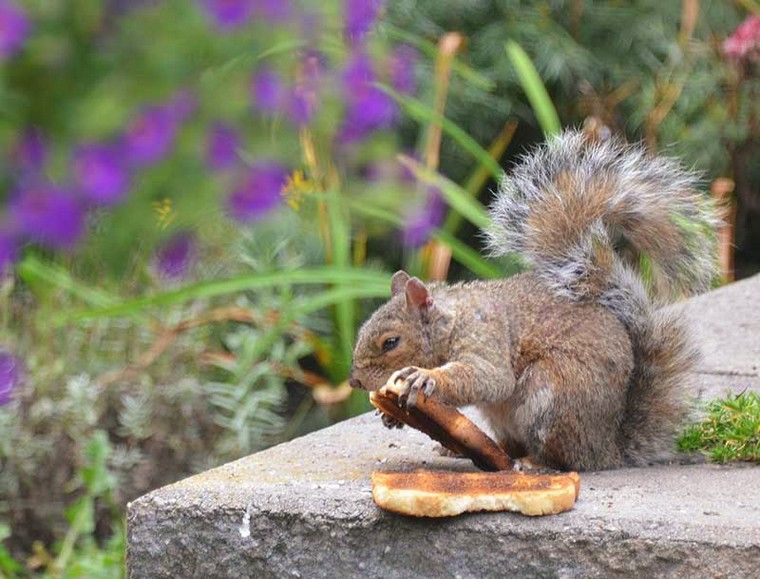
[332, 296]
[469, 74]
[422, 113]
[534, 89]
[457, 198]
[479, 177]
[460, 251]
[97, 479]
[8, 565]
[80, 515]
[360, 278]
[246, 61]
[375, 212]
[468, 256]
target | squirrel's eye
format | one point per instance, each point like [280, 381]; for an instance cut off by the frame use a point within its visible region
[390, 343]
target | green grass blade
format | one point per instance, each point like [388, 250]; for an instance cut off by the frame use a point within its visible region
[345, 313]
[379, 213]
[34, 271]
[534, 89]
[457, 198]
[358, 278]
[421, 113]
[336, 295]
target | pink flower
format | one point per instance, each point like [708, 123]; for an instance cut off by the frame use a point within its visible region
[744, 43]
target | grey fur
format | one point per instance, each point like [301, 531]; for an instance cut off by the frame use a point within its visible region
[641, 188]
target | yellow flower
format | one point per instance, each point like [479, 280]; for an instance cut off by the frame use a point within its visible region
[295, 188]
[165, 213]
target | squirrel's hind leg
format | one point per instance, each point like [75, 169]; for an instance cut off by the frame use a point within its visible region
[563, 419]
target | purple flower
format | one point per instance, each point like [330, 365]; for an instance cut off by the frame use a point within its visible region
[222, 144]
[11, 374]
[175, 256]
[267, 91]
[30, 151]
[14, 28]
[259, 192]
[229, 14]
[8, 251]
[360, 16]
[367, 107]
[421, 223]
[272, 10]
[48, 214]
[100, 173]
[150, 136]
[401, 72]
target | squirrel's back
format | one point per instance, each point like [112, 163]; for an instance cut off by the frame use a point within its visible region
[606, 222]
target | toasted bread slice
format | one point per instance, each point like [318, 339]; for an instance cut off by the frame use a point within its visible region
[443, 494]
[448, 426]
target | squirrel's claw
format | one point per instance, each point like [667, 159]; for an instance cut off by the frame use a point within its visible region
[403, 374]
[390, 422]
[408, 382]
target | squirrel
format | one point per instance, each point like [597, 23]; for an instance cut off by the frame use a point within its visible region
[573, 363]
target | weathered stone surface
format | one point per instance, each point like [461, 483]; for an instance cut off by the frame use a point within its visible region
[726, 323]
[304, 509]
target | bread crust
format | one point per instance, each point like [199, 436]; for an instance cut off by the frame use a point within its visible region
[424, 493]
[446, 425]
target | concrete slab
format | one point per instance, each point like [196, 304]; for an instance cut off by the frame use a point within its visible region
[304, 509]
[726, 323]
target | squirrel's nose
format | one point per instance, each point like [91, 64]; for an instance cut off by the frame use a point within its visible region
[355, 383]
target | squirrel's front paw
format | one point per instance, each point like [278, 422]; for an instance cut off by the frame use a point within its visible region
[390, 422]
[408, 382]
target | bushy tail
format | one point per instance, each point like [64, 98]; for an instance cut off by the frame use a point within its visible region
[604, 221]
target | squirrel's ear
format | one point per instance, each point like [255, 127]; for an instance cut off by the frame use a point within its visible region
[398, 282]
[417, 295]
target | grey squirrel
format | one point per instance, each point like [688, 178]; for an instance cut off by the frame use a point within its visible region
[572, 363]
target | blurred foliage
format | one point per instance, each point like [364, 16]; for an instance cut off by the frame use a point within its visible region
[617, 61]
[239, 184]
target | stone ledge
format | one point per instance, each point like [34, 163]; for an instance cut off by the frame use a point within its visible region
[304, 509]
